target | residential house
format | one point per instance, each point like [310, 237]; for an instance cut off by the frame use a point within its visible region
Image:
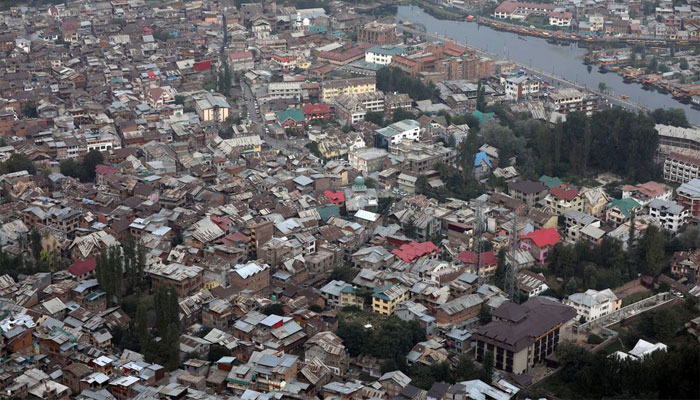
[593, 304]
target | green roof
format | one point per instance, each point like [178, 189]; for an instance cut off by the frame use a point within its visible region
[348, 289]
[483, 117]
[328, 211]
[550, 181]
[626, 206]
[318, 28]
[379, 292]
[294, 113]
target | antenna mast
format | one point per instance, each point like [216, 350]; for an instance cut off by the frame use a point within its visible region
[511, 278]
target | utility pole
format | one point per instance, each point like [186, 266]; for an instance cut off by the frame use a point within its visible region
[478, 244]
[511, 278]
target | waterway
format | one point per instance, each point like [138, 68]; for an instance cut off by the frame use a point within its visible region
[564, 61]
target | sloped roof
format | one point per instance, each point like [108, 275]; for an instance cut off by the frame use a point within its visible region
[544, 237]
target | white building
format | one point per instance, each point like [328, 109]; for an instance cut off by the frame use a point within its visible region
[382, 55]
[681, 168]
[284, 90]
[560, 18]
[517, 87]
[212, 107]
[408, 129]
[670, 215]
[593, 304]
[531, 284]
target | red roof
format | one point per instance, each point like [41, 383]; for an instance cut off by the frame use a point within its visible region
[101, 169]
[83, 267]
[544, 237]
[202, 66]
[318, 108]
[334, 197]
[564, 194]
[469, 257]
[240, 55]
[411, 251]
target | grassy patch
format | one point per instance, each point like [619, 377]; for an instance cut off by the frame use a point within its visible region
[635, 297]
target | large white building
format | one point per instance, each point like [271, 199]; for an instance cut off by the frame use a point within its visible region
[408, 129]
[212, 107]
[284, 90]
[517, 87]
[670, 215]
[593, 304]
[382, 55]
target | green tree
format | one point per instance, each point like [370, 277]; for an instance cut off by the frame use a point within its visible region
[274, 308]
[216, 352]
[409, 228]
[484, 314]
[652, 247]
[486, 373]
[481, 97]
[17, 162]
[375, 118]
[684, 64]
[29, 110]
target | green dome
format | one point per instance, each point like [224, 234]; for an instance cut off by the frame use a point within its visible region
[359, 181]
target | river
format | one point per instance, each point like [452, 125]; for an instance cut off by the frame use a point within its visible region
[564, 61]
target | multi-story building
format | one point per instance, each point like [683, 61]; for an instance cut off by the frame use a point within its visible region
[644, 193]
[689, 196]
[334, 88]
[183, 279]
[520, 10]
[621, 210]
[517, 87]
[377, 33]
[385, 299]
[529, 192]
[670, 215]
[560, 200]
[382, 54]
[572, 100]
[250, 276]
[241, 61]
[521, 335]
[398, 132]
[681, 168]
[686, 264]
[284, 90]
[212, 107]
[367, 160]
[328, 347]
[331, 292]
[593, 304]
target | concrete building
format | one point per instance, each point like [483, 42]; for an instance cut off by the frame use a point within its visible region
[377, 33]
[397, 132]
[593, 304]
[250, 276]
[333, 88]
[522, 335]
[382, 55]
[689, 197]
[385, 299]
[529, 192]
[670, 215]
[367, 160]
[681, 168]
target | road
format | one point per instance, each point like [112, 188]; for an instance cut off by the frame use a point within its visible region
[292, 145]
[534, 71]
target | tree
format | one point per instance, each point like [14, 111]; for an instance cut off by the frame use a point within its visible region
[375, 118]
[670, 116]
[652, 248]
[29, 110]
[602, 87]
[409, 228]
[395, 80]
[274, 308]
[486, 374]
[90, 161]
[16, 163]
[683, 65]
[109, 273]
[216, 352]
[484, 314]
[571, 286]
[481, 97]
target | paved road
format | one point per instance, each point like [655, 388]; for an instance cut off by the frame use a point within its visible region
[293, 145]
[534, 71]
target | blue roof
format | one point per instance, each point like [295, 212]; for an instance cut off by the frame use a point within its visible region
[481, 156]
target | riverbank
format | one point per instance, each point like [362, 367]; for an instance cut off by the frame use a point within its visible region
[439, 11]
[562, 61]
